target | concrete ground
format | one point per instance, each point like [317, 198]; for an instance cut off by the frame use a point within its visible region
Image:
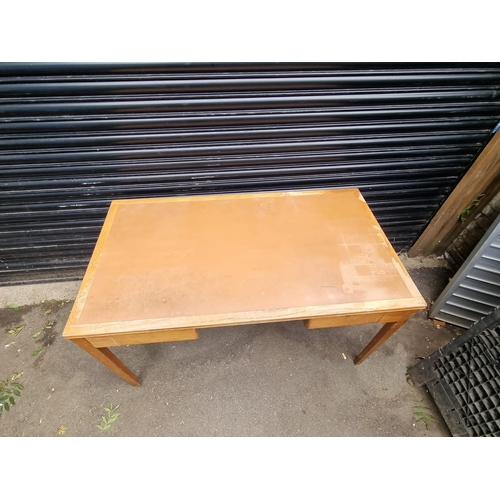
[263, 380]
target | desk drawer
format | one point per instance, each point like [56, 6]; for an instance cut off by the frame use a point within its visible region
[355, 319]
[143, 338]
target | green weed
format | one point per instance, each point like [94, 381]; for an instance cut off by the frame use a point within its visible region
[8, 391]
[112, 416]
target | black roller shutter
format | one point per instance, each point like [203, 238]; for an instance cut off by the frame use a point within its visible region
[75, 136]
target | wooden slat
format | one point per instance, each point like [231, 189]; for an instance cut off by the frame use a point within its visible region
[483, 178]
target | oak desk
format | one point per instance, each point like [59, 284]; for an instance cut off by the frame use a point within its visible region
[163, 268]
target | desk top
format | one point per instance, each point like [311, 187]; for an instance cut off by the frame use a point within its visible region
[204, 261]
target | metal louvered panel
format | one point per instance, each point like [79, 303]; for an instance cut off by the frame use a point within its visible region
[75, 136]
[474, 291]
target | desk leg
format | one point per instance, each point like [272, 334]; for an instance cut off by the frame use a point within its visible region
[106, 357]
[385, 332]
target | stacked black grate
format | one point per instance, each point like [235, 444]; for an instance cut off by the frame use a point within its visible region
[473, 376]
[463, 377]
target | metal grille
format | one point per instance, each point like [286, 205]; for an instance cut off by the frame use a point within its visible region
[474, 291]
[472, 375]
[463, 377]
[75, 136]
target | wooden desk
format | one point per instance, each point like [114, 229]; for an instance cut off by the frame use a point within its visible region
[163, 268]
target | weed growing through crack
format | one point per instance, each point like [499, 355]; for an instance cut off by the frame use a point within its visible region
[112, 416]
[8, 391]
[422, 412]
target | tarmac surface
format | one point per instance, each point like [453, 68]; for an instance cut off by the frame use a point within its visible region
[277, 379]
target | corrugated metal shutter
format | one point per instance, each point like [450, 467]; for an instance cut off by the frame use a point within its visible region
[74, 137]
[474, 291]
